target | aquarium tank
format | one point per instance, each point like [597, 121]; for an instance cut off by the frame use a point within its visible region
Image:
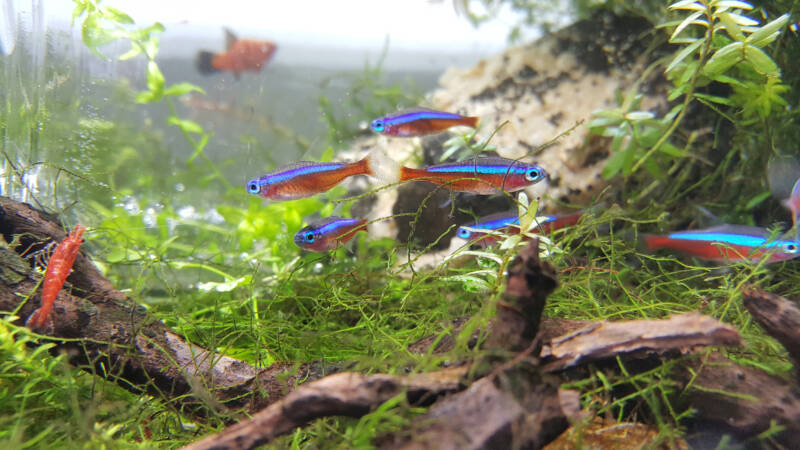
[374, 224]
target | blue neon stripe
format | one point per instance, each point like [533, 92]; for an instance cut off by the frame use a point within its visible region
[419, 115]
[336, 226]
[296, 172]
[725, 238]
[498, 223]
[479, 168]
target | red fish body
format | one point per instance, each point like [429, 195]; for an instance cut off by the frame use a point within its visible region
[305, 178]
[483, 176]
[241, 55]
[420, 122]
[727, 243]
[58, 268]
[329, 233]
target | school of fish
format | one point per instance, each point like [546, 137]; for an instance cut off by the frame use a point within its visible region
[491, 175]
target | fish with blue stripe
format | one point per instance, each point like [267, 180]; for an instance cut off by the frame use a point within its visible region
[508, 222]
[305, 178]
[483, 176]
[329, 233]
[728, 243]
[419, 122]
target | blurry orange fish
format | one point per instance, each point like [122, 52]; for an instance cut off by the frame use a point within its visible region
[242, 55]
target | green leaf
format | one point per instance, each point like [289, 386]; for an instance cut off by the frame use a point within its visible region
[155, 80]
[688, 50]
[116, 15]
[724, 58]
[768, 33]
[733, 28]
[741, 20]
[639, 115]
[734, 4]
[614, 164]
[757, 200]
[151, 47]
[94, 35]
[145, 97]
[133, 52]
[671, 150]
[608, 113]
[691, 5]
[673, 112]
[677, 92]
[761, 62]
[186, 125]
[686, 22]
[714, 98]
[180, 89]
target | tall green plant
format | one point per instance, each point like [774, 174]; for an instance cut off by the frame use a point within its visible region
[719, 43]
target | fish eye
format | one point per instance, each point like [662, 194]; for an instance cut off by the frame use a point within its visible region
[533, 174]
[790, 247]
[463, 233]
[309, 237]
[253, 187]
[377, 125]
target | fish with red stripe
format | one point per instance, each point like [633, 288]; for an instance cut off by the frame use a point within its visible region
[329, 233]
[305, 178]
[508, 222]
[483, 176]
[420, 122]
[728, 243]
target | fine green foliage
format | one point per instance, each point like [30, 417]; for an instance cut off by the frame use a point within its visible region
[719, 44]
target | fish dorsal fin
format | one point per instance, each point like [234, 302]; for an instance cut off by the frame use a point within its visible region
[422, 109]
[783, 172]
[301, 164]
[230, 38]
[319, 223]
[738, 229]
[511, 216]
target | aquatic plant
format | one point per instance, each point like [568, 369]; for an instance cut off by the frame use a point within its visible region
[230, 278]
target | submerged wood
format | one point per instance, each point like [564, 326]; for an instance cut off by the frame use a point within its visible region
[741, 400]
[779, 316]
[604, 340]
[518, 408]
[115, 338]
[342, 394]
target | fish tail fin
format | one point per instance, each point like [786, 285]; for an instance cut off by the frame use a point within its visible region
[203, 62]
[471, 122]
[381, 166]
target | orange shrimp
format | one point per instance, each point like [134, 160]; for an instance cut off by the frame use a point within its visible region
[57, 270]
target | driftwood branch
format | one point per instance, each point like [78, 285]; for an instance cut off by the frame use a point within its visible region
[608, 339]
[779, 316]
[114, 337]
[343, 394]
[741, 400]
